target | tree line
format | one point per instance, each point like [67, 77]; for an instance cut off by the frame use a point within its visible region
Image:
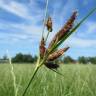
[20, 58]
[27, 58]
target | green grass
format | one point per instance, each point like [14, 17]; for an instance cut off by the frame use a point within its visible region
[78, 80]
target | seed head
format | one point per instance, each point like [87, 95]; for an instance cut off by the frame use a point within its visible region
[57, 54]
[64, 30]
[50, 65]
[42, 47]
[49, 24]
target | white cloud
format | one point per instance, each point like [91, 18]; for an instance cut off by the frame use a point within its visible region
[91, 27]
[15, 8]
[32, 32]
[87, 30]
[83, 36]
[62, 10]
[78, 42]
[16, 38]
[85, 2]
[20, 32]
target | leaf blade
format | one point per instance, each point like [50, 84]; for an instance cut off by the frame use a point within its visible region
[74, 29]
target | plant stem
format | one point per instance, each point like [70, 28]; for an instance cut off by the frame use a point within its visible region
[47, 36]
[45, 17]
[38, 66]
[13, 74]
[35, 71]
[57, 72]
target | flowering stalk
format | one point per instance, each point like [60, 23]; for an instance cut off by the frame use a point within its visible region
[46, 9]
[64, 30]
[42, 48]
[57, 54]
[13, 75]
[49, 27]
[35, 71]
[50, 53]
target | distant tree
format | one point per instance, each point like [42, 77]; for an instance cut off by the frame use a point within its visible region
[18, 58]
[27, 58]
[5, 57]
[35, 58]
[23, 58]
[83, 60]
[92, 60]
[87, 60]
[68, 59]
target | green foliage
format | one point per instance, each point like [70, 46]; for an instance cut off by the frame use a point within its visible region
[79, 80]
[27, 58]
[5, 57]
[68, 60]
[24, 58]
[83, 60]
[92, 60]
[87, 60]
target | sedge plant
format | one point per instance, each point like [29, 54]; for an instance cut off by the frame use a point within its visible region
[48, 54]
[13, 74]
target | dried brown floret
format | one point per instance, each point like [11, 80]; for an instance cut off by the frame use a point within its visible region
[64, 30]
[49, 24]
[42, 48]
[50, 65]
[57, 54]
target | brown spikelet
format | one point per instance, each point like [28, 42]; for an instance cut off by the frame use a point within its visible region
[42, 48]
[50, 65]
[49, 24]
[57, 54]
[64, 30]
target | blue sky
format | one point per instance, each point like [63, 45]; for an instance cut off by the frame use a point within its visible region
[21, 25]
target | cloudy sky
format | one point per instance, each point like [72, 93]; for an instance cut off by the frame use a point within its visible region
[21, 23]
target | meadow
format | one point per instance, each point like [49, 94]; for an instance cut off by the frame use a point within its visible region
[78, 80]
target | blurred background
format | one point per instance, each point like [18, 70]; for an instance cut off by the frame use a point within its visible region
[21, 23]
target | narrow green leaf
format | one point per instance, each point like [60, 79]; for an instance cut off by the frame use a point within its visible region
[57, 72]
[74, 29]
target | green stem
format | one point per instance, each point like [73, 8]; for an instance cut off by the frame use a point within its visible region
[57, 72]
[47, 36]
[74, 29]
[35, 71]
[46, 9]
[13, 74]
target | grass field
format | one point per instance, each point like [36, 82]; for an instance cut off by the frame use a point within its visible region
[78, 80]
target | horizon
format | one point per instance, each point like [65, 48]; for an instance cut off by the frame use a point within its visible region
[21, 25]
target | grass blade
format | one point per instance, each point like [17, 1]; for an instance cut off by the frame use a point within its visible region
[13, 74]
[57, 72]
[37, 68]
[74, 29]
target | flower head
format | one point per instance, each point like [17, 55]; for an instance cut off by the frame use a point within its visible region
[64, 30]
